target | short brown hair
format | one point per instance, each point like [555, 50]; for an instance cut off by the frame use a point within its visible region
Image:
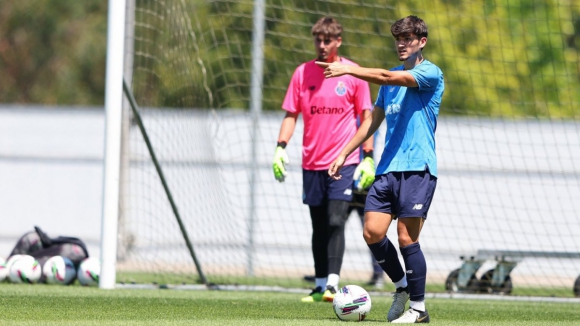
[409, 25]
[327, 26]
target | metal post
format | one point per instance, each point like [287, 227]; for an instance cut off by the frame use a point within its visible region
[255, 111]
[112, 156]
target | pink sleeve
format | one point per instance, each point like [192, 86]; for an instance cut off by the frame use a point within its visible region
[292, 99]
[363, 96]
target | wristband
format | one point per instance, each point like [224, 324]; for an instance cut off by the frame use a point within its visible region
[367, 153]
[281, 144]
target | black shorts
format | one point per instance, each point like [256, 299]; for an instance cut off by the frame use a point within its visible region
[318, 187]
[402, 194]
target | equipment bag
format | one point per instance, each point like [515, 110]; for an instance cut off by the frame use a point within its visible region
[40, 246]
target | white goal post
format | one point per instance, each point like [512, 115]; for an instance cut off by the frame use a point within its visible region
[116, 41]
[113, 128]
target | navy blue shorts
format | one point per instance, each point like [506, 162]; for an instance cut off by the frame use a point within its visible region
[402, 194]
[318, 187]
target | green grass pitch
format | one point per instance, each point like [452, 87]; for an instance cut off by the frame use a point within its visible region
[76, 305]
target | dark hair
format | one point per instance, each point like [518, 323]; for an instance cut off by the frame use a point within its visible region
[409, 25]
[327, 26]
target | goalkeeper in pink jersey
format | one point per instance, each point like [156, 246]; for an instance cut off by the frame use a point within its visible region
[330, 108]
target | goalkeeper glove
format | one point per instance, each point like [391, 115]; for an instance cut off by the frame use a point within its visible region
[365, 173]
[279, 164]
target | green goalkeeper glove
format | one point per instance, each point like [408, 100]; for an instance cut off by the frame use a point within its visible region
[365, 173]
[279, 164]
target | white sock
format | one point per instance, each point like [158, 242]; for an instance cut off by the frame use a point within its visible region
[417, 305]
[333, 281]
[321, 282]
[402, 283]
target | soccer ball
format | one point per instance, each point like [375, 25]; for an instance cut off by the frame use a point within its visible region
[59, 270]
[352, 303]
[89, 270]
[3, 270]
[10, 261]
[24, 269]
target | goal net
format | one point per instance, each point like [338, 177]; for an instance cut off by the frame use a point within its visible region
[508, 143]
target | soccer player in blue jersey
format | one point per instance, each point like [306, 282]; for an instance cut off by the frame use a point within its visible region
[406, 176]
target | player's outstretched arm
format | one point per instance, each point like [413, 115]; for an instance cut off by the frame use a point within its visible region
[372, 75]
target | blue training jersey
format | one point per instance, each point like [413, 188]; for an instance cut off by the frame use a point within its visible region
[411, 115]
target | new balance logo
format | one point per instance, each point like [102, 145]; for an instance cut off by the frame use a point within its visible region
[348, 192]
[380, 261]
[417, 207]
[410, 271]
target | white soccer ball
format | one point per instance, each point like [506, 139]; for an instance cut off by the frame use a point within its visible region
[89, 270]
[24, 269]
[59, 270]
[10, 261]
[3, 269]
[352, 303]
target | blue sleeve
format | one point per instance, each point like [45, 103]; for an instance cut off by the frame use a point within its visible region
[427, 76]
[380, 102]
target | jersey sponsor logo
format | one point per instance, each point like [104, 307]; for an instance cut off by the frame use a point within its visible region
[325, 110]
[340, 89]
[393, 108]
[417, 207]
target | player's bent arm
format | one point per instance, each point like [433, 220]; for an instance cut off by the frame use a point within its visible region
[365, 132]
[369, 144]
[372, 75]
[288, 126]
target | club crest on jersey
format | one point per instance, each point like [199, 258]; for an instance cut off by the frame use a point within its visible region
[340, 89]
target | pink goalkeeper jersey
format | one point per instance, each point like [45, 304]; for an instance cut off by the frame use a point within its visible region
[329, 108]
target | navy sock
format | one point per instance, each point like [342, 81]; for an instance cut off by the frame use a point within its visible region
[416, 271]
[386, 256]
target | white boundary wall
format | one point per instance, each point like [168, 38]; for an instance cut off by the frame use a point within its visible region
[51, 172]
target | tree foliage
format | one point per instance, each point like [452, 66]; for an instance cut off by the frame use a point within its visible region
[510, 58]
[52, 52]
